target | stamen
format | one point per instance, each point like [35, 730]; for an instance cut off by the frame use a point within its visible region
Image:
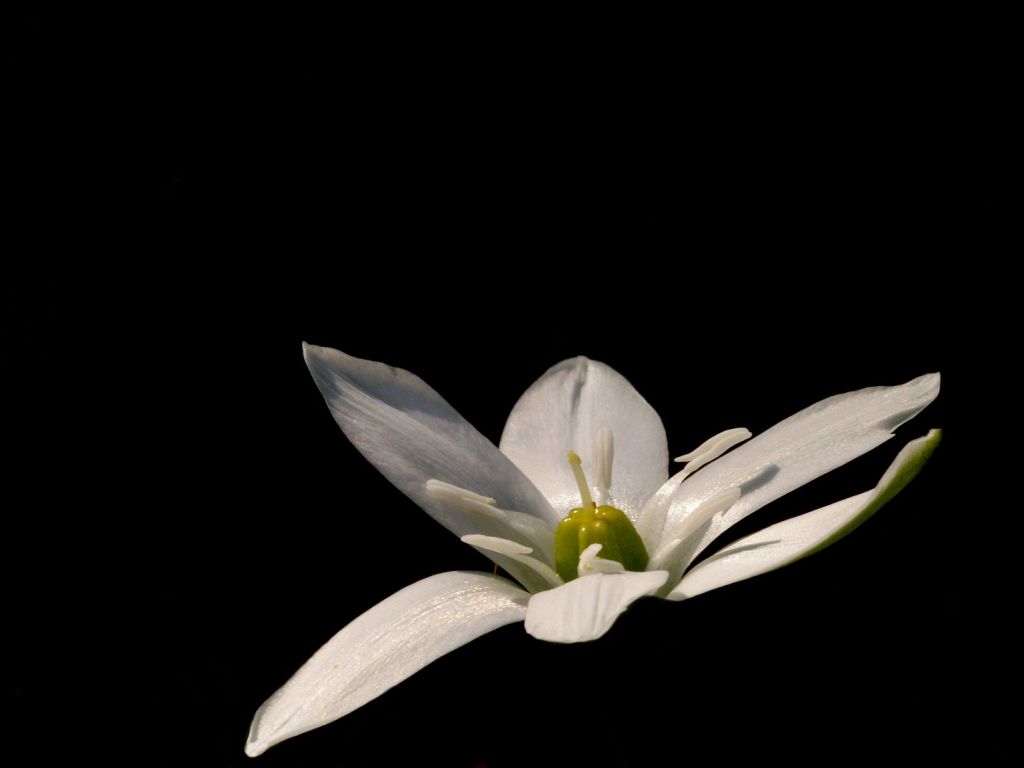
[439, 486]
[461, 499]
[531, 528]
[514, 551]
[581, 481]
[713, 447]
[604, 454]
[497, 544]
[720, 502]
[591, 563]
[652, 517]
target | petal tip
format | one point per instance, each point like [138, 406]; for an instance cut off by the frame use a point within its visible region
[929, 382]
[259, 739]
[915, 453]
[254, 745]
[253, 749]
[321, 360]
[577, 365]
[918, 393]
[311, 352]
[268, 729]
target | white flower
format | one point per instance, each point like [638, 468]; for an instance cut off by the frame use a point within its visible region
[508, 501]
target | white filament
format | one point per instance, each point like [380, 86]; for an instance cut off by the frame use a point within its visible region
[581, 480]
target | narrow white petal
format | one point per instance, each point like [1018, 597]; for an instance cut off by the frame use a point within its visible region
[795, 451]
[383, 647]
[412, 435]
[565, 411]
[585, 608]
[517, 552]
[793, 539]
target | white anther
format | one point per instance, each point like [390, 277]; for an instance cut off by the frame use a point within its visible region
[460, 498]
[497, 544]
[439, 487]
[520, 524]
[713, 447]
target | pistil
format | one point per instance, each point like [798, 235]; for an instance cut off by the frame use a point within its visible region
[591, 524]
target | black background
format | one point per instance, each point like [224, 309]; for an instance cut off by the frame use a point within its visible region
[739, 237]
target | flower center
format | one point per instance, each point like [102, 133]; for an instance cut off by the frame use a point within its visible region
[592, 524]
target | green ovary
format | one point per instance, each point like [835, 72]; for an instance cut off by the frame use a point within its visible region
[604, 525]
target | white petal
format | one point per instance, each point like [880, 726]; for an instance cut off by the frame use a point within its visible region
[412, 435]
[383, 647]
[564, 411]
[585, 608]
[795, 451]
[793, 539]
